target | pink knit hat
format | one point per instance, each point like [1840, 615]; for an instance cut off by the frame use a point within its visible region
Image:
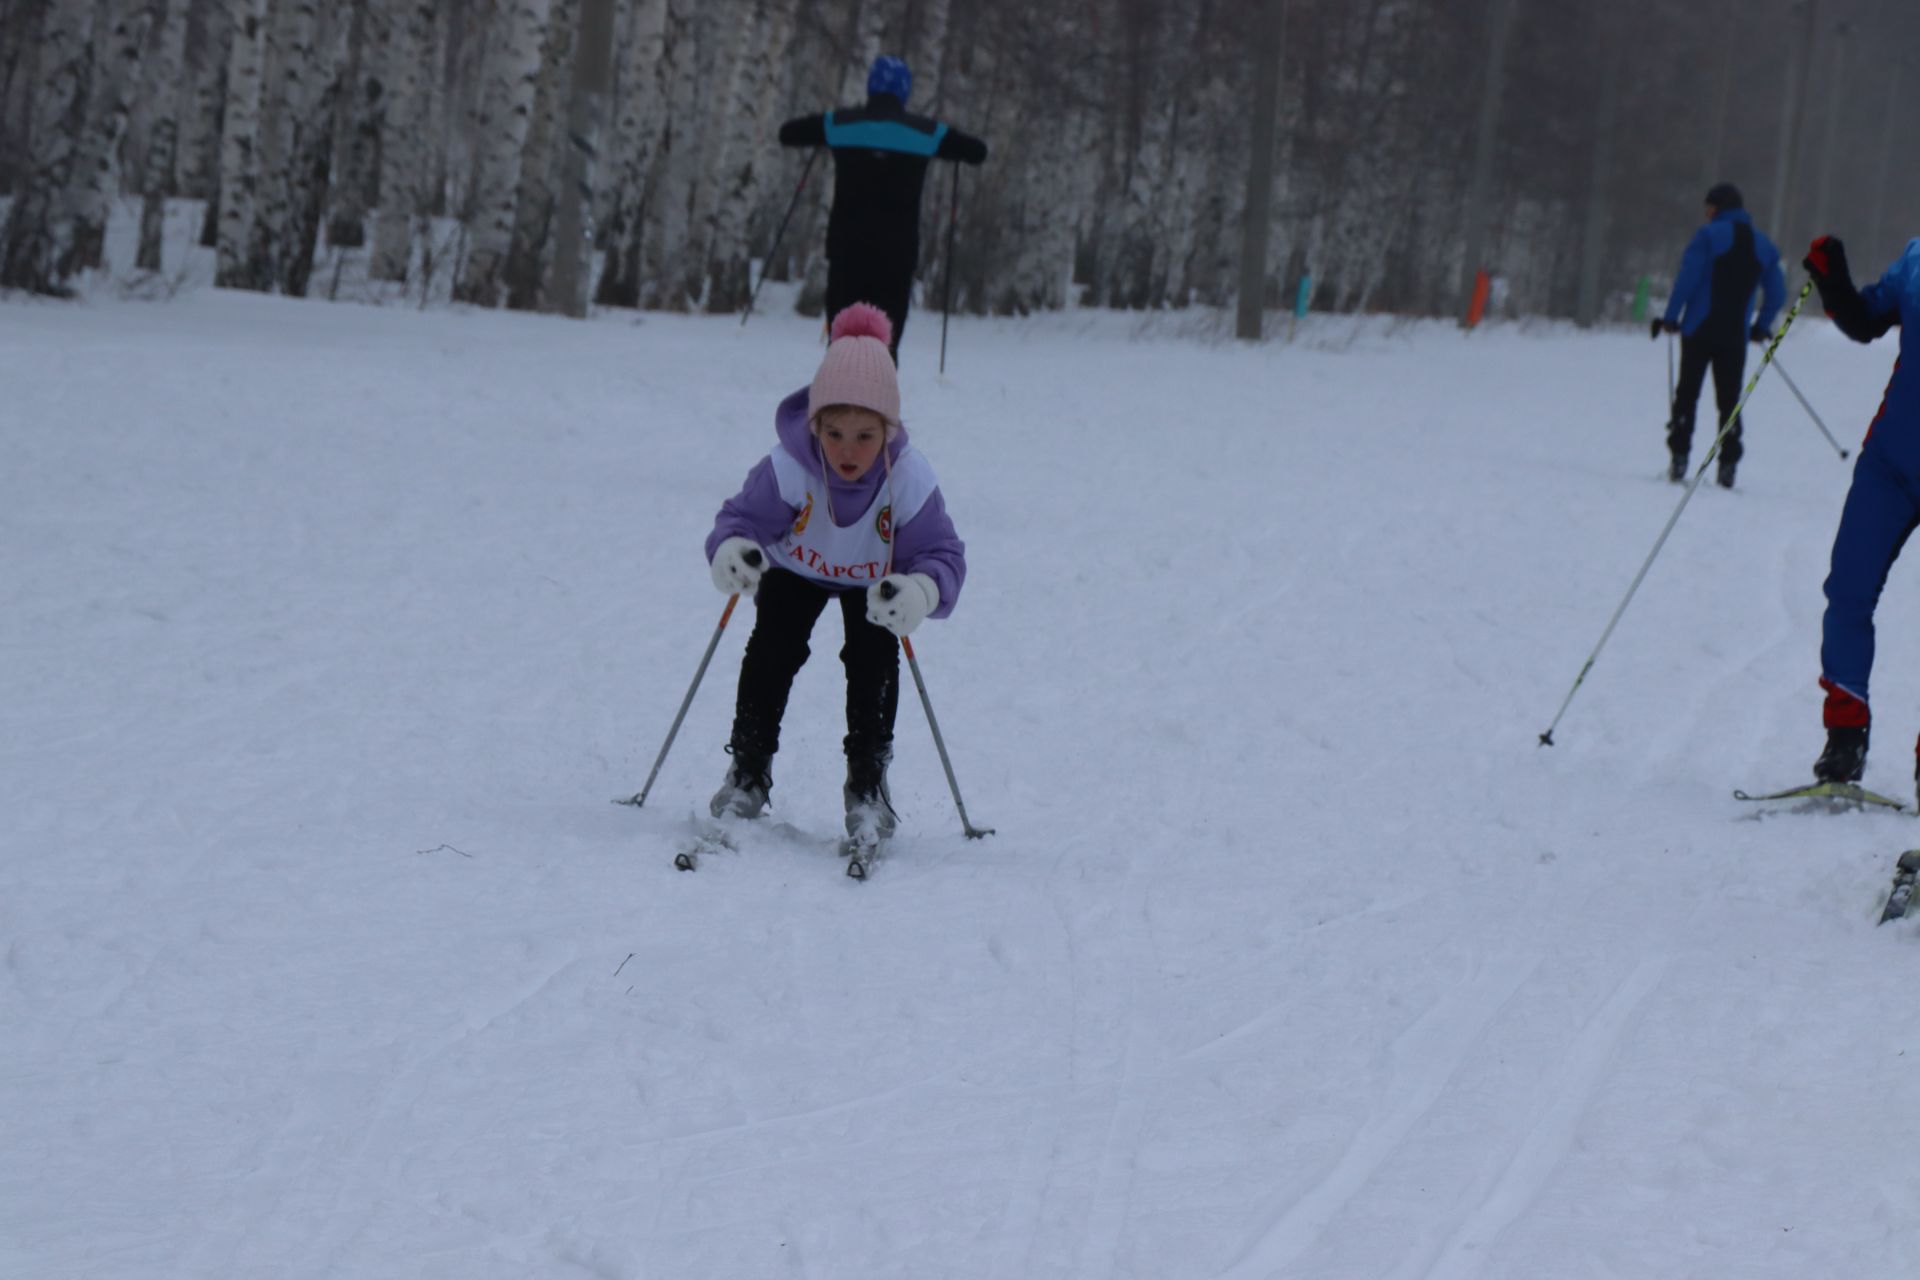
[858, 369]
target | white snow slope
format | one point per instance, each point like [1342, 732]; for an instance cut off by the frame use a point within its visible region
[329, 632]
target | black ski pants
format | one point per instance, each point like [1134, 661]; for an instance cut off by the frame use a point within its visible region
[1728, 360]
[888, 286]
[785, 609]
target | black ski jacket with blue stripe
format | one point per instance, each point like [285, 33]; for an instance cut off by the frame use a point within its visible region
[880, 155]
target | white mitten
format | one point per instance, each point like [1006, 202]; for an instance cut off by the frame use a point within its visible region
[901, 601]
[737, 566]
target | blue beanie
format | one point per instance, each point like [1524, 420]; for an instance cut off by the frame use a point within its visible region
[890, 75]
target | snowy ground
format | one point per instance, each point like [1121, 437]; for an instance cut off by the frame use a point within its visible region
[329, 632]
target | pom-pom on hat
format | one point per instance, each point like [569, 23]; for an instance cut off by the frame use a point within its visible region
[890, 75]
[858, 369]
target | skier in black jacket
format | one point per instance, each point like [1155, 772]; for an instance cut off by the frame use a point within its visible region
[1712, 310]
[880, 156]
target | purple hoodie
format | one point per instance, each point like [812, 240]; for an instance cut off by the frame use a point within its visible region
[925, 544]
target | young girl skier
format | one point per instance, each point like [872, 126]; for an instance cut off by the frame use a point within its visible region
[844, 508]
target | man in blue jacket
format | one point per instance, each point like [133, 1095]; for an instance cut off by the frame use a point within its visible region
[1883, 502]
[880, 156]
[1711, 310]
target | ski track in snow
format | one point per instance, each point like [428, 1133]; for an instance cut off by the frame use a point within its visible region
[1549, 1131]
[1427, 1056]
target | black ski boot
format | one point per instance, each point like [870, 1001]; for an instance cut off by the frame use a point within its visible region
[1845, 758]
[1725, 475]
[870, 815]
[1677, 468]
[744, 793]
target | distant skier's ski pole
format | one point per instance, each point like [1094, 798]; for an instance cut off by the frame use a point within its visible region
[1669, 377]
[639, 798]
[946, 291]
[780, 235]
[1809, 408]
[1546, 739]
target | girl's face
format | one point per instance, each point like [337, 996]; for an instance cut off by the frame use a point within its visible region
[851, 438]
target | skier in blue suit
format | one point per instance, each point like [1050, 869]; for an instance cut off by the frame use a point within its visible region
[1710, 309]
[1883, 502]
[880, 157]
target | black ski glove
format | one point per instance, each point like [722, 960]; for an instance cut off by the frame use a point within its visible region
[1826, 262]
[1663, 326]
[1760, 335]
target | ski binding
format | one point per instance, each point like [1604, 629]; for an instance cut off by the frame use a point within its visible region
[708, 837]
[861, 852]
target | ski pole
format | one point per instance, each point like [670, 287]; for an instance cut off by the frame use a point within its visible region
[780, 235]
[973, 832]
[1546, 739]
[887, 592]
[946, 290]
[1669, 377]
[1810, 413]
[639, 797]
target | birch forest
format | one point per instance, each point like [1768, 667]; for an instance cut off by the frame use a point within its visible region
[556, 154]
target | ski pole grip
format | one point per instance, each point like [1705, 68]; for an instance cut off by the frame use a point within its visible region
[887, 590]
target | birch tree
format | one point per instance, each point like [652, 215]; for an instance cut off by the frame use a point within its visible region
[743, 153]
[675, 168]
[310, 163]
[403, 135]
[235, 266]
[509, 78]
[81, 229]
[27, 243]
[578, 168]
[533, 204]
[357, 142]
[163, 131]
[1257, 213]
[637, 135]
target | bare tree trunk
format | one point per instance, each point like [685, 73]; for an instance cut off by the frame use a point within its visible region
[533, 203]
[27, 244]
[310, 162]
[80, 232]
[235, 267]
[742, 153]
[1257, 218]
[20, 23]
[1595, 228]
[508, 81]
[572, 248]
[637, 137]
[670, 183]
[358, 143]
[403, 133]
[156, 182]
[1793, 106]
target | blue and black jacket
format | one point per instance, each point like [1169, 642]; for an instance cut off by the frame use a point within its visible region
[880, 155]
[1724, 263]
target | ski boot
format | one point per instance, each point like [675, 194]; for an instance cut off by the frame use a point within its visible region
[1724, 477]
[870, 816]
[1679, 444]
[1845, 758]
[744, 793]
